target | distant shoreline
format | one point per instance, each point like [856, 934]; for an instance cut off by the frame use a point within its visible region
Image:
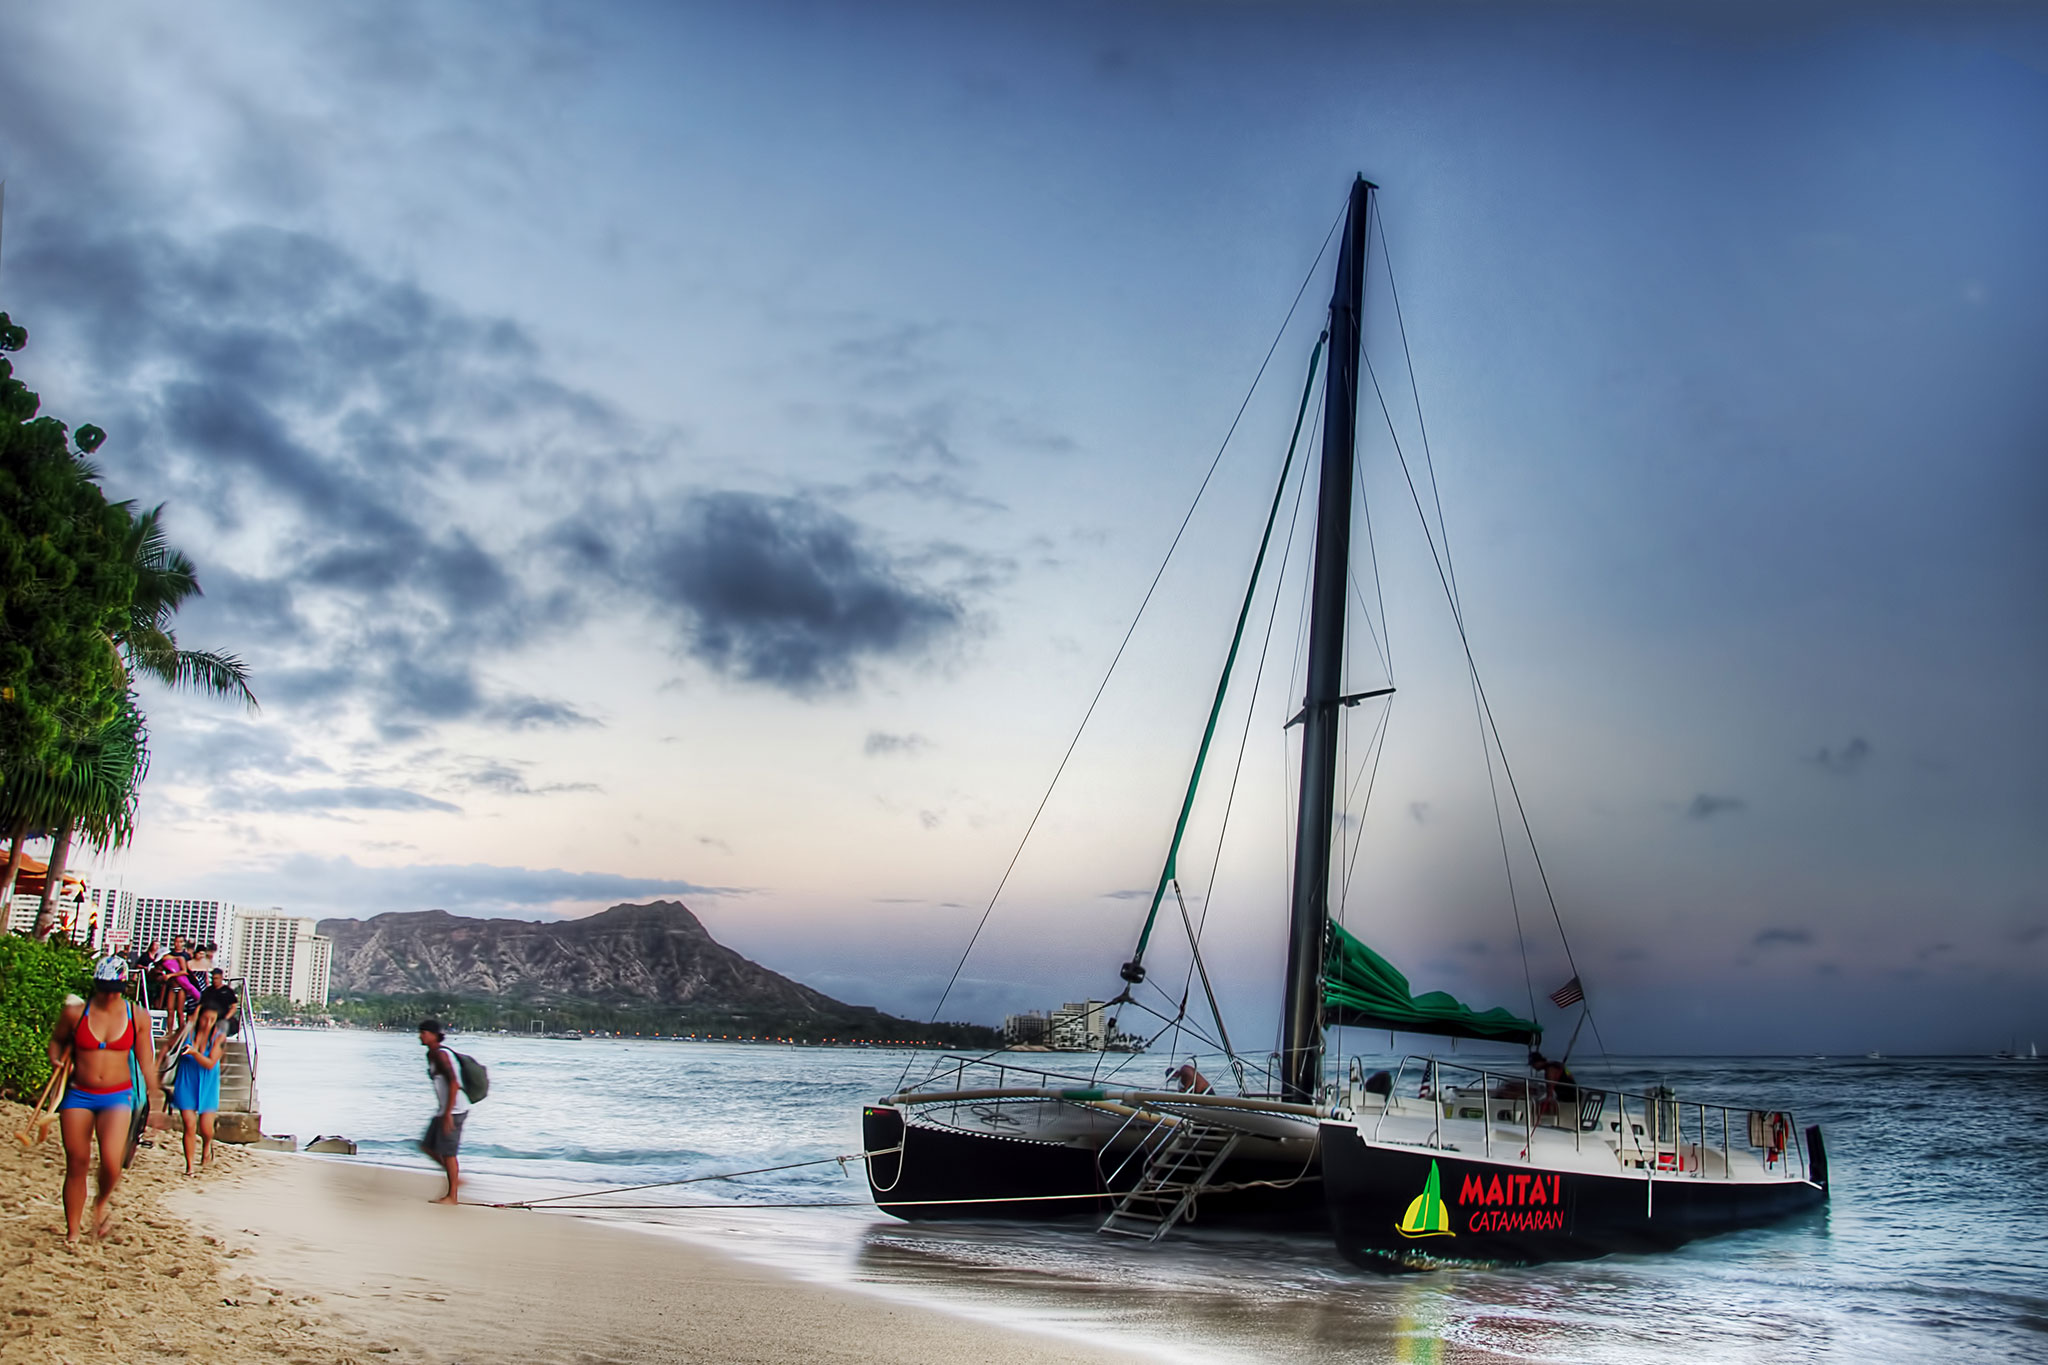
[568, 1036]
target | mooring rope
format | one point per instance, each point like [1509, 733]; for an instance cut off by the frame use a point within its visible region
[693, 1180]
[1224, 1187]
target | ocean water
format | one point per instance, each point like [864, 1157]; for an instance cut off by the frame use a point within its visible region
[1935, 1246]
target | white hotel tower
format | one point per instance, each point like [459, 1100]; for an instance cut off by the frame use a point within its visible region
[279, 954]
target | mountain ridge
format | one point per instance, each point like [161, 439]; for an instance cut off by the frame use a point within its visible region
[655, 959]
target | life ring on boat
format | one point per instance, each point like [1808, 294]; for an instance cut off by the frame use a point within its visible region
[1781, 1136]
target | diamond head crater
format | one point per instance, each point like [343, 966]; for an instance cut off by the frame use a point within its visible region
[650, 969]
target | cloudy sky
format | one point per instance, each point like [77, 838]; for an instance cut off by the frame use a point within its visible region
[714, 452]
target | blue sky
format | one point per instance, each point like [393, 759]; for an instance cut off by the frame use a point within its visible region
[713, 452]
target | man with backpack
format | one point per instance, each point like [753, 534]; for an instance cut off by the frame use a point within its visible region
[443, 1139]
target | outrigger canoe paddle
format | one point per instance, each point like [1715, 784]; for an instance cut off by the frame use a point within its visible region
[52, 1093]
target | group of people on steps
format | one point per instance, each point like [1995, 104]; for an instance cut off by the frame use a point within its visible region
[109, 1041]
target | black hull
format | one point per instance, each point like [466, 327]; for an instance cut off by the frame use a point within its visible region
[944, 1174]
[1512, 1213]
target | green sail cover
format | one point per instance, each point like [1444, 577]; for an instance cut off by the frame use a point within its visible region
[1361, 989]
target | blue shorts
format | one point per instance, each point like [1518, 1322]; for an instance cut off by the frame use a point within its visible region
[74, 1098]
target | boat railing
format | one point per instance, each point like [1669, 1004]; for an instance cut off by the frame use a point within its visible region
[1000, 1071]
[990, 1073]
[1653, 1131]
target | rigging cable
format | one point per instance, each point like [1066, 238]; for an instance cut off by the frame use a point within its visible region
[1251, 710]
[1376, 749]
[1133, 971]
[1472, 674]
[1485, 705]
[1132, 630]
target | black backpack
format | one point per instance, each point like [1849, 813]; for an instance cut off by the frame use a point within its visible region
[476, 1080]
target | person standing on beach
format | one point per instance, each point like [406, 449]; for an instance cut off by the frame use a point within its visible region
[101, 1040]
[195, 1091]
[225, 1002]
[443, 1140]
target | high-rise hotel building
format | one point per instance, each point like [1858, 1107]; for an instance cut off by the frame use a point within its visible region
[280, 955]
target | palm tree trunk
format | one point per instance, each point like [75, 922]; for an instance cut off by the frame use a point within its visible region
[16, 837]
[46, 918]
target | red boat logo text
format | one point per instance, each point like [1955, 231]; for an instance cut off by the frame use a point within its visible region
[1517, 1201]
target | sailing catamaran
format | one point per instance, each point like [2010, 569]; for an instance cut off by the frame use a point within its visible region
[1430, 1162]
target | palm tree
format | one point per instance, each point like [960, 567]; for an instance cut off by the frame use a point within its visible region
[88, 790]
[164, 579]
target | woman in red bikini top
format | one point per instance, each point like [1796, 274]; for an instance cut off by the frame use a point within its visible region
[102, 1040]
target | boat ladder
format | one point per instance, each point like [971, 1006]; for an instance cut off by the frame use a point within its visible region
[1178, 1171]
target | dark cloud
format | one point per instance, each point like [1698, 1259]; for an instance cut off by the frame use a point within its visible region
[880, 744]
[1782, 938]
[341, 885]
[202, 753]
[1705, 806]
[264, 606]
[246, 798]
[782, 591]
[433, 692]
[265, 375]
[537, 713]
[1843, 762]
[503, 779]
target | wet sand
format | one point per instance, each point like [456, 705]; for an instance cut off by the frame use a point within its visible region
[406, 1280]
[278, 1258]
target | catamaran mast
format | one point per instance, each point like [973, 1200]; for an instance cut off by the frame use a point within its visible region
[1301, 1041]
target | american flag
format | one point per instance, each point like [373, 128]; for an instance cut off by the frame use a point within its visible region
[1567, 995]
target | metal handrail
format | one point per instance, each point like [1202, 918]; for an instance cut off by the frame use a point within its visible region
[1660, 1133]
[250, 1049]
[950, 1071]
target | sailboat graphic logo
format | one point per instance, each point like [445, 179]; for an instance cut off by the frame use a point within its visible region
[1427, 1216]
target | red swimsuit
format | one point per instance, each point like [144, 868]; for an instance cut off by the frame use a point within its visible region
[123, 1042]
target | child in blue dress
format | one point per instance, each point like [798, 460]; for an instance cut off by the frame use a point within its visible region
[195, 1093]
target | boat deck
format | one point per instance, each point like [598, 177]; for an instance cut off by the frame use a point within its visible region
[1435, 1106]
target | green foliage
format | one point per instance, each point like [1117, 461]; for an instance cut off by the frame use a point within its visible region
[66, 585]
[88, 592]
[93, 782]
[34, 979]
[164, 580]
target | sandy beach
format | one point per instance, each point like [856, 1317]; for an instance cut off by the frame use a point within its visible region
[156, 1288]
[279, 1258]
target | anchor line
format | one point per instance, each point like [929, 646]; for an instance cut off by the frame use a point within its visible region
[556, 1199]
[556, 1203]
[1225, 1187]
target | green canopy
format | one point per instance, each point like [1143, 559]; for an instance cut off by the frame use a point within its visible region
[1361, 989]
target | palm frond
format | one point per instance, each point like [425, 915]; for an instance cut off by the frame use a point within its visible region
[216, 675]
[164, 576]
[93, 782]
